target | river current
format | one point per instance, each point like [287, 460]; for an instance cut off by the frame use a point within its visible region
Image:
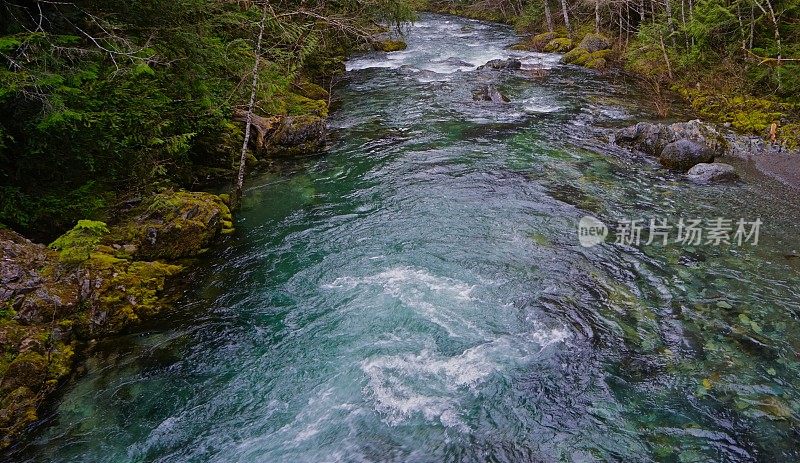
[418, 293]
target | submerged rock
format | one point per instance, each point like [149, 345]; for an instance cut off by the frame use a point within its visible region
[489, 92]
[453, 61]
[93, 281]
[509, 64]
[684, 154]
[712, 172]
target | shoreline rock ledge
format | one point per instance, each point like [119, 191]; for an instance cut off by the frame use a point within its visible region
[94, 281]
[692, 147]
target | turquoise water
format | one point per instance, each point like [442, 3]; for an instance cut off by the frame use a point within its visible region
[418, 294]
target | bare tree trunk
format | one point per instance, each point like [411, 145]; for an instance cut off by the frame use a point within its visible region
[691, 16]
[548, 16]
[642, 13]
[566, 17]
[741, 26]
[627, 23]
[251, 105]
[683, 21]
[670, 26]
[653, 11]
[597, 16]
[770, 12]
[666, 57]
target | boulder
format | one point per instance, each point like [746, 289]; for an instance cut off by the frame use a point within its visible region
[559, 45]
[298, 133]
[489, 92]
[651, 138]
[172, 225]
[535, 43]
[389, 45]
[95, 280]
[509, 64]
[595, 42]
[712, 172]
[684, 154]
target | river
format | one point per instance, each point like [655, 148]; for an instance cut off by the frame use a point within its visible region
[419, 294]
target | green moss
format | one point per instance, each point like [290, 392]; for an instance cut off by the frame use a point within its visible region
[390, 45]
[172, 225]
[535, 43]
[746, 114]
[597, 64]
[311, 90]
[298, 105]
[7, 311]
[133, 291]
[559, 45]
[76, 245]
[575, 56]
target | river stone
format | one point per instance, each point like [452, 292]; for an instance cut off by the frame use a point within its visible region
[594, 43]
[453, 61]
[389, 45]
[685, 154]
[712, 172]
[298, 134]
[651, 138]
[489, 92]
[510, 64]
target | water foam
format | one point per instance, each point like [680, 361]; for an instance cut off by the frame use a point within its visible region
[430, 385]
[437, 299]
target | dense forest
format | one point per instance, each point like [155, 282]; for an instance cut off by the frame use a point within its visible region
[106, 101]
[103, 101]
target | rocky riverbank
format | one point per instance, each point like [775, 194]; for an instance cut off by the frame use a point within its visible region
[696, 147]
[96, 280]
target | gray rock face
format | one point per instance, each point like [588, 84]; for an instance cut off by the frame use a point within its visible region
[685, 154]
[489, 92]
[453, 61]
[594, 43]
[510, 64]
[652, 138]
[713, 172]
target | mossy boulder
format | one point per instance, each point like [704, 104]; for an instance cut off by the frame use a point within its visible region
[598, 64]
[172, 225]
[17, 411]
[575, 56]
[595, 42]
[593, 52]
[559, 45]
[535, 43]
[311, 90]
[95, 280]
[389, 45]
[298, 134]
